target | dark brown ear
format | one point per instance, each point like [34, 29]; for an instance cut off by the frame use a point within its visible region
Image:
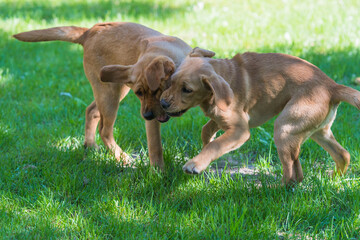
[221, 90]
[159, 69]
[116, 74]
[199, 52]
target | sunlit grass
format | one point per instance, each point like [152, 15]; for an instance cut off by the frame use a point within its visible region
[51, 187]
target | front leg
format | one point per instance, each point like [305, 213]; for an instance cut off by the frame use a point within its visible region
[209, 131]
[232, 139]
[154, 143]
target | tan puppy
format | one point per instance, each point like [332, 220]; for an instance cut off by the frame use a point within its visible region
[128, 55]
[248, 90]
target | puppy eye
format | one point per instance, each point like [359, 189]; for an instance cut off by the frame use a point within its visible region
[139, 93]
[186, 90]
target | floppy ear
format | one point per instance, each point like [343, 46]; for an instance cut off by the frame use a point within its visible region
[222, 93]
[158, 70]
[199, 52]
[116, 74]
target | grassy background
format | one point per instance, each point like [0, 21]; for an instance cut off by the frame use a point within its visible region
[51, 188]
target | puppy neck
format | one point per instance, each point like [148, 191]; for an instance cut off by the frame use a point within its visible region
[225, 68]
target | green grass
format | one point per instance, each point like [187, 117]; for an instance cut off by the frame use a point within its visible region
[51, 188]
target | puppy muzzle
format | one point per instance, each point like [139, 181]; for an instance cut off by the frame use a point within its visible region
[164, 104]
[176, 114]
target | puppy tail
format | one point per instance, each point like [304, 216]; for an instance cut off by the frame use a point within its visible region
[347, 94]
[67, 34]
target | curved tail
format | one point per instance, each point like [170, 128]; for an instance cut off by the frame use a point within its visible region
[347, 94]
[67, 34]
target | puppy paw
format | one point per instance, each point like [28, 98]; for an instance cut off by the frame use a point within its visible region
[124, 158]
[192, 168]
[91, 146]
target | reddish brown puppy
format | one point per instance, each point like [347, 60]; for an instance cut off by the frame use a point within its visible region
[117, 57]
[248, 90]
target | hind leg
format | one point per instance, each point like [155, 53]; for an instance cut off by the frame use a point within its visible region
[92, 117]
[325, 138]
[295, 124]
[288, 147]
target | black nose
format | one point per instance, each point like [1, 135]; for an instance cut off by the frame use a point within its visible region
[148, 115]
[164, 104]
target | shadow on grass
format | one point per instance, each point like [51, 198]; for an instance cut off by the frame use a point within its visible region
[74, 11]
[111, 198]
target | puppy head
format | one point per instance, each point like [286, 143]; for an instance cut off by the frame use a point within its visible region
[195, 82]
[147, 78]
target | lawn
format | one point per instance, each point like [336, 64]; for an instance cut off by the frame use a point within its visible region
[52, 188]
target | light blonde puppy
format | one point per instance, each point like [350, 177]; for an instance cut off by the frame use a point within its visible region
[248, 90]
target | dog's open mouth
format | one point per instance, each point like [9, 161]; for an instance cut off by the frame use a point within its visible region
[163, 118]
[176, 114]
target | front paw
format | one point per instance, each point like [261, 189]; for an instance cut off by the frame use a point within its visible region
[192, 167]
